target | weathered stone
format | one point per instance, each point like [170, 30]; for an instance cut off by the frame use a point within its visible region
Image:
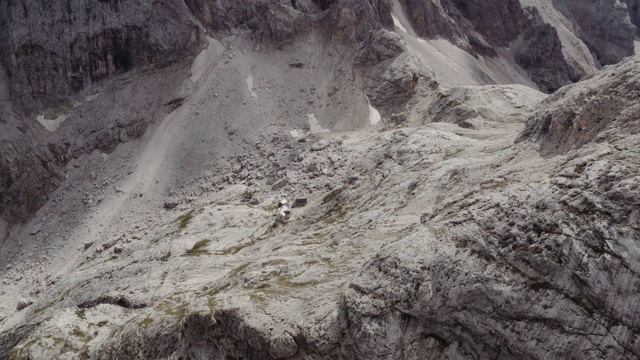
[582, 113]
[170, 204]
[280, 184]
[23, 303]
[320, 145]
[283, 347]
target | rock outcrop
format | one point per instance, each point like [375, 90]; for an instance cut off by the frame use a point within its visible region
[605, 26]
[594, 111]
[563, 247]
[51, 51]
[481, 28]
[391, 72]
[485, 28]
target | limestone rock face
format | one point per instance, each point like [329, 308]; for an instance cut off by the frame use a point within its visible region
[541, 47]
[51, 51]
[28, 174]
[482, 27]
[391, 72]
[593, 111]
[436, 239]
[353, 19]
[486, 27]
[606, 26]
[461, 289]
[633, 6]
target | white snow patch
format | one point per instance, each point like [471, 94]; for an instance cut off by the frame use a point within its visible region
[51, 125]
[374, 114]
[207, 59]
[315, 125]
[250, 86]
[296, 134]
[92, 97]
[398, 24]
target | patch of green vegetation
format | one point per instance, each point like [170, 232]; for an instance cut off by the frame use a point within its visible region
[80, 314]
[66, 348]
[198, 248]
[269, 231]
[336, 214]
[218, 289]
[275, 262]
[270, 208]
[180, 311]
[146, 322]
[235, 272]
[20, 353]
[79, 333]
[211, 303]
[185, 219]
[234, 249]
[332, 195]
[530, 249]
[296, 285]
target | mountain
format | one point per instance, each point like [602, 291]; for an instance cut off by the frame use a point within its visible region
[469, 168]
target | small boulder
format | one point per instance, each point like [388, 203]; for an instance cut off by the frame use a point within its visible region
[23, 303]
[280, 184]
[320, 145]
[283, 347]
[170, 205]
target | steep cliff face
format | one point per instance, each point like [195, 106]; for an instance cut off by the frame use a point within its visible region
[53, 50]
[605, 26]
[482, 28]
[633, 6]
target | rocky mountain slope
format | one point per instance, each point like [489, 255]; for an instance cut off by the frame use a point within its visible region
[455, 211]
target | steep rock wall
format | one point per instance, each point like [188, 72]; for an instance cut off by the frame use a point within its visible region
[605, 26]
[51, 50]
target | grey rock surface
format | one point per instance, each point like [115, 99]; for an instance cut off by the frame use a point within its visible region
[606, 26]
[51, 52]
[595, 111]
[482, 28]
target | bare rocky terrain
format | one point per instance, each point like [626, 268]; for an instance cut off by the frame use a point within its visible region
[471, 170]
